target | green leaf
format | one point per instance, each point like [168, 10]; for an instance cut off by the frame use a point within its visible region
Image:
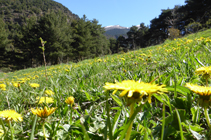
[86, 136]
[180, 103]
[183, 90]
[115, 121]
[64, 111]
[118, 101]
[33, 127]
[195, 114]
[146, 135]
[196, 128]
[180, 81]
[87, 95]
[180, 125]
[163, 123]
[138, 109]
[195, 134]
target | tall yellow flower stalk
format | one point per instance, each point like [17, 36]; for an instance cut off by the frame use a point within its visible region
[205, 72]
[70, 101]
[204, 92]
[2, 86]
[9, 116]
[134, 91]
[43, 113]
[204, 98]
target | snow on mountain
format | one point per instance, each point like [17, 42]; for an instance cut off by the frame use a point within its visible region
[117, 27]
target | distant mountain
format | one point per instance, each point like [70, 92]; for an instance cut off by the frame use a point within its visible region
[115, 27]
[114, 31]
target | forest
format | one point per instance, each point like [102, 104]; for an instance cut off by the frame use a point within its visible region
[70, 38]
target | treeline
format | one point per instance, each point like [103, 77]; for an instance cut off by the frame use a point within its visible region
[75, 41]
[192, 17]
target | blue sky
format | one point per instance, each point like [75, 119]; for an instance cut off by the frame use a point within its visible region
[119, 12]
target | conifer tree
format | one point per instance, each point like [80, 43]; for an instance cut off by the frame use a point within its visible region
[4, 44]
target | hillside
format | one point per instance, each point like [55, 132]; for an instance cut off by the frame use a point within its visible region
[16, 11]
[155, 89]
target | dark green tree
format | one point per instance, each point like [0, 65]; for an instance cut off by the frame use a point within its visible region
[99, 41]
[112, 45]
[82, 39]
[132, 36]
[121, 44]
[5, 46]
[55, 29]
[141, 35]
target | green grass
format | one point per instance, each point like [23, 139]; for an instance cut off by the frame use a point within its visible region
[173, 63]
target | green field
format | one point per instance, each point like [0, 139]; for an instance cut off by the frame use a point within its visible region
[96, 112]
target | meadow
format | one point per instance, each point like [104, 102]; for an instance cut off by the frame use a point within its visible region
[75, 100]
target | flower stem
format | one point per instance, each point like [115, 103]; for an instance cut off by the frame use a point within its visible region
[11, 130]
[71, 115]
[130, 127]
[2, 124]
[43, 128]
[207, 82]
[207, 117]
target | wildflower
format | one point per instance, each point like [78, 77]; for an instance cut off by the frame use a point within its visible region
[99, 60]
[203, 92]
[70, 100]
[34, 85]
[200, 90]
[67, 70]
[122, 59]
[10, 115]
[2, 86]
[189, 41]
[204, 71]
[46, 100]
[16, 85]
[49, 92]
[135, 89]
[43, 113]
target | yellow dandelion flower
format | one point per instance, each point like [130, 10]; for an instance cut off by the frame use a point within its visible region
[135, 89]
[16, 85]
[200, 90]
[67, 70]
[46, 100]
[2, 86]
[204, 71]
[34, 85]
[10, 115]
[49, 92]
[70, 100]
[99, 60]
[122, 59]
[203, 92]
[43, 113]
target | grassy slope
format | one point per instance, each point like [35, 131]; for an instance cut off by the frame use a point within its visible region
[173, 62]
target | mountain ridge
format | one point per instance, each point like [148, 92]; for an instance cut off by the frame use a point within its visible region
[114, 31]
[17, 11]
